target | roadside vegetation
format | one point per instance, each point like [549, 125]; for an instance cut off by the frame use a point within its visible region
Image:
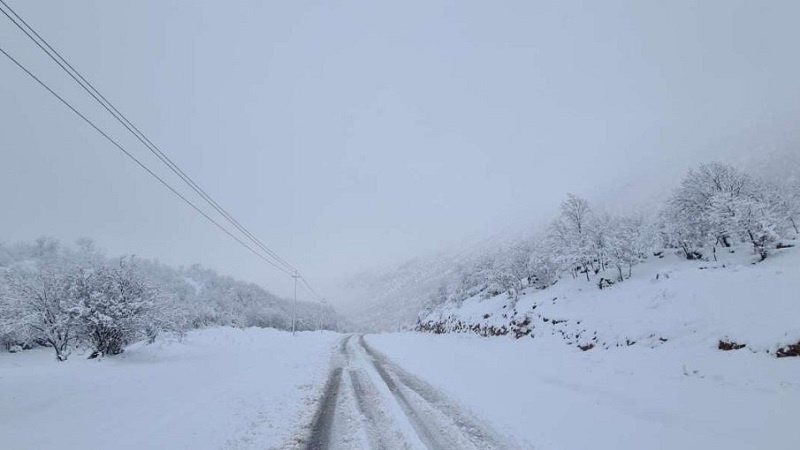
[76, 298]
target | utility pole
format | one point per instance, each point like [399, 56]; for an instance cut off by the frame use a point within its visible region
[295, 275]
[321, 314]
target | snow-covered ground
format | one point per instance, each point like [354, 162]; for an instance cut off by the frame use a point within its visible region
[556, 397]
[219, 389]
[652, 376]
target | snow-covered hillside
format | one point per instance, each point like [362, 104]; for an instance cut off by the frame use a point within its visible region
[715, 208]
[667, 301]
[390, 298]
[221, 388]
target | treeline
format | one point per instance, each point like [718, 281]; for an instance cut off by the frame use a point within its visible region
[715, 206]
[67, 297]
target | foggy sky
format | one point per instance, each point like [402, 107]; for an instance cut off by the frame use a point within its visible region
[353, 134]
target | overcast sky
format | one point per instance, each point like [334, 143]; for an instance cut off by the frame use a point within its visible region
[350, 134]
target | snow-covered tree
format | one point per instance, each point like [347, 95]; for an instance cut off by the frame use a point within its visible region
[749, 218]
[43, 304]
[785, 198]
[543, 267]
[116, 307]
[570, 240]
[719, 205]
[693, 216]
[629, 239]
[511, 269]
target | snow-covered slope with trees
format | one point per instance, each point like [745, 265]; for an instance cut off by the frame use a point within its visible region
[668, 301]
[718, 266]
[392, 298]
[63, 298]
[716, 208]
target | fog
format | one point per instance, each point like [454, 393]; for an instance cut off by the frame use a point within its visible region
[353, 135]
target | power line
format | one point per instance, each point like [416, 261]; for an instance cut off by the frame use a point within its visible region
[310, 289]
[34, 36]
[310, 292]
[139, 163]
[294, 308]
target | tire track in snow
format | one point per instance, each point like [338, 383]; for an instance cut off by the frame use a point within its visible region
[380, 433]
[385, 402]
[441, 424]
[323, 421]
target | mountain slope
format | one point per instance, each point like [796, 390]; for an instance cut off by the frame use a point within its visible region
[667, 299]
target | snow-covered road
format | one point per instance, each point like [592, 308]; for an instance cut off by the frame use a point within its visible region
[372, 403]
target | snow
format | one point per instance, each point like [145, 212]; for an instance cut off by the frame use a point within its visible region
[655, 378]
[669, 298]
[372, 403]
[555, 397]
[220, 388]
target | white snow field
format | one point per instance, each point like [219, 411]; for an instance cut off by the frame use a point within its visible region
[655, 378]
[652, 379]
[554, 397]
[221, 388]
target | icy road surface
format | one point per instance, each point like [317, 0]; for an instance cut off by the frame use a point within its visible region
[370, 403]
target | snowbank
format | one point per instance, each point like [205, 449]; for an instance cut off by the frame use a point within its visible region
[221, 388]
